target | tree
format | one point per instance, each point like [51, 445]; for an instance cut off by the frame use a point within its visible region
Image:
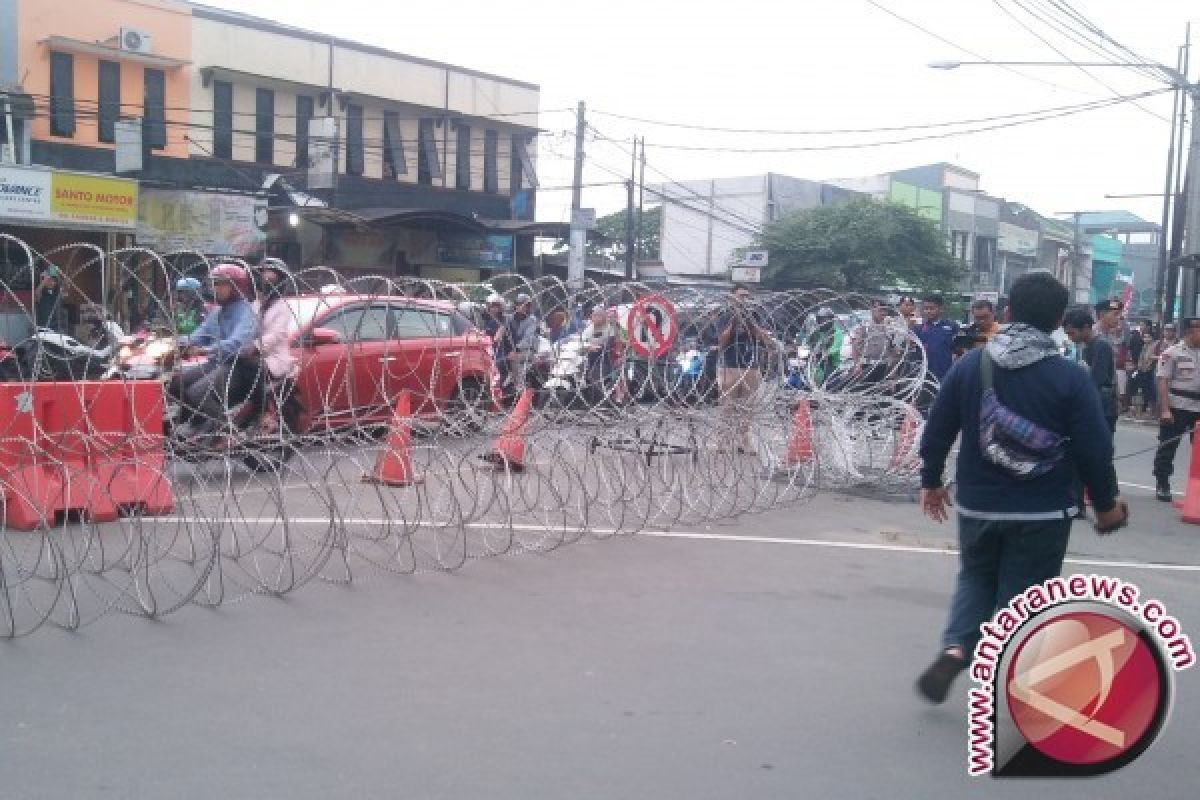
[863, 245]
[612, 228]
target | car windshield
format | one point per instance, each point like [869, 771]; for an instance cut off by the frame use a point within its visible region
[306, 309]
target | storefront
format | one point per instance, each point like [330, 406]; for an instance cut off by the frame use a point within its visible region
[66, 219]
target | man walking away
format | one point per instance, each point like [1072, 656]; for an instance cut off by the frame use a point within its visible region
[1178, 402]
[1015, 498]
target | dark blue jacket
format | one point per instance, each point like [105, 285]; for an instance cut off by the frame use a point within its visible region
[938, 339]
[1056, 394]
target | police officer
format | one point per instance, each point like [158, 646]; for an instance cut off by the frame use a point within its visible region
[1178, 401]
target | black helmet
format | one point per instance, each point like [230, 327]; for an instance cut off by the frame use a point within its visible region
[284, 285]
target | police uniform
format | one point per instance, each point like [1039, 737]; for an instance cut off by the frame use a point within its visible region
[1179, 365]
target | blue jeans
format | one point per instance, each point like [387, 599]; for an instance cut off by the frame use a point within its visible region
[999, 559]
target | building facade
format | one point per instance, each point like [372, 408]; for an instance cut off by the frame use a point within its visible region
[705, 222]
[260, 138]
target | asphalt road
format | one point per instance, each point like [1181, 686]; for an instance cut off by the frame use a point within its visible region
[769, 660]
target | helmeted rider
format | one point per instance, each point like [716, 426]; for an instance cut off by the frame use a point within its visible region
[189, 306]
[276, 323]
[206, 389]
[825, 345]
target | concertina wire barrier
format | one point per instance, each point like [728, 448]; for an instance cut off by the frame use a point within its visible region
[407, 441]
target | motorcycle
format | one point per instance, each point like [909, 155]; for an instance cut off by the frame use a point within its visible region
[48, 355]
[241, 432]
[579, 379]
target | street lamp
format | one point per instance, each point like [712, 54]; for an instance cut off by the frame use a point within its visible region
[1191, 223]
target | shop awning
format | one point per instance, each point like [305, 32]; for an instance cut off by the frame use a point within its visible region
[65, 44]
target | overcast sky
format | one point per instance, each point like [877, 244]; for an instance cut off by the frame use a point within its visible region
[803, 65]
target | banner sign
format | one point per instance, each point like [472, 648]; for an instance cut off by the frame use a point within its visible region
[208, 222]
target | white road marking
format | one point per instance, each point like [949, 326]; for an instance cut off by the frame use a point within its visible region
[717, 537]
[1144, 486]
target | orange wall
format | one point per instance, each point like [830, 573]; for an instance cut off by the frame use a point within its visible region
[169, 24]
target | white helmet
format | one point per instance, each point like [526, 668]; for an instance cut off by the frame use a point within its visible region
[495, 298]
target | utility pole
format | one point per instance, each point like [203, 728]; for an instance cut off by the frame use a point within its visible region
[630, 234]
[577, 257]
[641, 202]
[1164, 251]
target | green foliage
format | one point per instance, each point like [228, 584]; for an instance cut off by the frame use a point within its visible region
[612, 227]
[862, 245]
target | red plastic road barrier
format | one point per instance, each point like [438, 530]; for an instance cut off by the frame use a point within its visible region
[1190, 508]
[91, 447]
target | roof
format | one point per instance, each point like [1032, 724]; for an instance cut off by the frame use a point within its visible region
[1119, 221]
[271, 26]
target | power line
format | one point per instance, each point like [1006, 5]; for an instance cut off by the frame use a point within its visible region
[838, 131]
[1063, 55]
[968, 51]
[1096, 105]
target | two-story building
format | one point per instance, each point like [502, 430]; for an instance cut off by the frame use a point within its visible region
[256, 138]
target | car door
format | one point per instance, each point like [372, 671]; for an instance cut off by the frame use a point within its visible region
[351, 374]
[420, 350]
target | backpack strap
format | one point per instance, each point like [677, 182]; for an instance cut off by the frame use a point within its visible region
[985, 369]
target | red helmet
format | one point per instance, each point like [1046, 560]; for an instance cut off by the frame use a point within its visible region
[232, 273]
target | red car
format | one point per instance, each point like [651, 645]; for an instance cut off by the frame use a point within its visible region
[357, 353]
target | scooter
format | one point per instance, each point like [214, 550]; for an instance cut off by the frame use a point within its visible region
[241, 434]
[48, 355]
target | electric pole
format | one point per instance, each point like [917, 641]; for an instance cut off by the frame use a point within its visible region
[641, 203]
[1164, 250]
[577, 256]
[630, 234]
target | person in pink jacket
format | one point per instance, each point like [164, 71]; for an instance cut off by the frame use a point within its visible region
[275, 327]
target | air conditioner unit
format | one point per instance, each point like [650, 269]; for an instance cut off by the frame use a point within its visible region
[135, 40]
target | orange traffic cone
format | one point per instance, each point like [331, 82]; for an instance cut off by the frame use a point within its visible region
[1190, 508]
[509, 448]
[394, 466]
[906, 439]
[800, 443]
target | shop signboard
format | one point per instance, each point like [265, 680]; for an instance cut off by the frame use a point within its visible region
[66, 199]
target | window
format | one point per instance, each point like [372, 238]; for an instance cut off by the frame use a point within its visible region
[462, 158]
[110, 100]
[154, 109]
[62, 94]
[222, 119]
[360, 324]
[304, 113]
[491, 175]
[522, 174]
[354, 140]
[264, 126]
[429, 166]
[958, 244]
[413, 323]
[394, 163]
[985, 253]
